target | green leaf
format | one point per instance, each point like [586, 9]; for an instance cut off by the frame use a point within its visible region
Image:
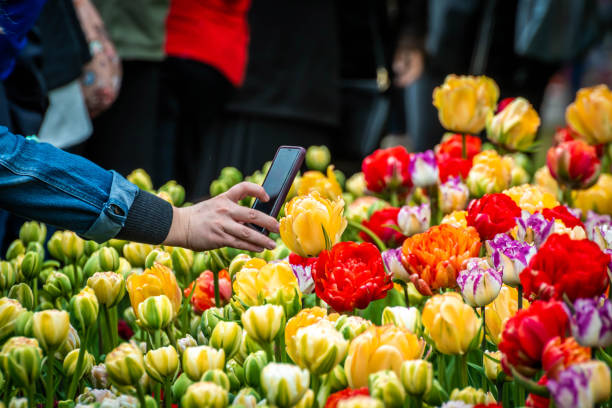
[328, 242]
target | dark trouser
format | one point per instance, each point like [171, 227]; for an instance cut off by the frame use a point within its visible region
[124, 136]
[192, 96]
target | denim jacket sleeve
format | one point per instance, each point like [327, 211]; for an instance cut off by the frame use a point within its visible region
[44, 183]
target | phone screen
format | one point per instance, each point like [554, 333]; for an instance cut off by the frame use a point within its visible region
[278, 175]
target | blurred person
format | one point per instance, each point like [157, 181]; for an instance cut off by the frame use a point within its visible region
[123, 136]
[206, 57]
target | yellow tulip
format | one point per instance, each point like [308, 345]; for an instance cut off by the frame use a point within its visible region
[545, 181]
[125, 365]
[276, 284]
[244, 286]
[263, 323]
[597, 198]
[360, 401]
[137, 253]
[162, 364]
[304, 318]
[380, 348]
[500, 310]
[456, 219]
[284, 385]
[492, 368]
[471, 395]
[464, 102]
[10, 310]
[198, 360]
[451, 323]
[51, 328]
[515, 126]
[306, 218]
[417, 376]
[205, 395]
[109, 287]
[327, 187]
[531, 198]
[591, 114]
[490, 173]
[154, 281]
[319, 347]
[226, 336]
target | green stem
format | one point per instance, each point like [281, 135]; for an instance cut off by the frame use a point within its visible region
[50, 386]
[141, 395]
[108, 338]
[158, 391]
[170, 333]
[463, 370]
[79, 366]
[484, 329]
[418, 401]
[157, 339]
[315, 384]
[30, 394]
[35, 292]
[217, 295]
[167, 395]
[567, 196]
[394, 199]
[463, 146]
[114, 325]
[381, 246]
[434, 205]
[269, 353]
[520, 296]
[442, 371]
[406, 297]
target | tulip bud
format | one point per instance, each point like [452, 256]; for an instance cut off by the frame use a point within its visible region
[175, 191]
[99, 376]
[136, 253]
[231, 175]
[158, 256]
[246, 398]
[15, 249]
[235, 374]
[32, 231]
[414, 220]
[284, 384]
[185, 342]
[218, 377]
[479, 282]
[58, 285]
[417, 376]
[124, 267]
[205, 395]
[72, 246]
[574, 164]
[352, 326]
[21, 359]
[141, 178]
[210, 318]
[237, 263]
[109, 287]
[408, 317]
[182, 261]
[74, 274]
[336, 379]
[108, 258]
[162, 364]
[515, 126]
[218, 187]
[318, 157]
[471, 395]
[23, 324]
[70, 363]
[72, 342]
[18, 403]
[423, 169]
[227, 336]
[319, 347]
[180, 386]
[155, 312]
[10, 310]
[198, 360]
[599, 380]
[518, 176]
[511, 256]
[23, 293]
[253, 366]
[51, 328]
[31, 265]
[125, 365]
[453, 195]
[92, 265]
[84, 307]
[385, 386]
[8, 275]
[492, 368]
[360, 402]
[263, 323]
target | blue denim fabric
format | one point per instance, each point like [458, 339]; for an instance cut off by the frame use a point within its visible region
[44, 183]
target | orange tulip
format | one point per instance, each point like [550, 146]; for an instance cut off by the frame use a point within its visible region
[154, 281]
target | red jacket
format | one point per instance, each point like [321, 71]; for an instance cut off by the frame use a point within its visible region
[214, 32]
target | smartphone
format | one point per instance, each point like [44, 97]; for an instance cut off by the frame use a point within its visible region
[285, 166]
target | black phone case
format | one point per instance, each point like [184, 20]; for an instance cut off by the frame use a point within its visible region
[286, 187]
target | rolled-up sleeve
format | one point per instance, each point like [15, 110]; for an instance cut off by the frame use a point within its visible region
[41, 182]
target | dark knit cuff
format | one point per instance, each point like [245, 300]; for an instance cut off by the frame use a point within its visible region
[148, 220]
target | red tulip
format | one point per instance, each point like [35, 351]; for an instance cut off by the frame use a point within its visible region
[576, 268]
[336, 397]
[560, 353]
[562, 214]
[204, 295]
[381, 223]
[526, 333]
[565, 134]
[574, 163]
[387, 169]
[492, 214]
[350, 276]
[452, 146]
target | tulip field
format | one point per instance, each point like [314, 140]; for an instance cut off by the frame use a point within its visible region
[456, 277]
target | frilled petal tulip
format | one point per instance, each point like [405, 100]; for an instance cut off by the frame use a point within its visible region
[162, 364]
[302, 269]
[387, 170]
[380, 348]
[319, 347]
[453, 195]
[531, 198]
[423, 169]
[414, 220]
[311, 224]
[51, 328]
[510, 257]
[263, 323]
[125, 365]
[464, 102]
[558, 354]
[197, 360]
[386, 387]
[591, 114]
[327, 187]
[108, 286]
[451, 324]
[284, 384]
[591, 322]
[276, 284]
[360, 402]
[479, 283]
[533, 228]
[417, 376]
[455, 219]
[574, 164]
[408, 317]
[571, 389]
[434, 257]
[304, 318]
[515, 126]
[492, 214]
[205, 395]
[490, 173]
[500, 310]
[154, 281]
[20, 359]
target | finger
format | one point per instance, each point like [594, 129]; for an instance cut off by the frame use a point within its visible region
[246, 189]
[246, 234]
[249, 215]
[232, 241]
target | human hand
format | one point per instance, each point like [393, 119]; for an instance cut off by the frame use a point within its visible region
[220, 222]
[408, 64]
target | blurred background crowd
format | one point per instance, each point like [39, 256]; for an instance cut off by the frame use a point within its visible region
[183, 88]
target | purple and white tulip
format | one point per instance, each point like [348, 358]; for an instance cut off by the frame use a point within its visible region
[479, 282]
[510, 257]
[423, 169]
[571, 388]
[414, 219]
[303, 272]
[533, 228]
[591, 322]
[453, 195]
[392, 258]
